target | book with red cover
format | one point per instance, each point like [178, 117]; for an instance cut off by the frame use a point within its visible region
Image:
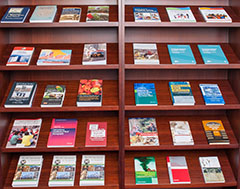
[96, 135]
[62, 133]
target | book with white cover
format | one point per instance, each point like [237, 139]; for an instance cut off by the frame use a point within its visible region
[180, 14]
[215, 14]
[20, 56]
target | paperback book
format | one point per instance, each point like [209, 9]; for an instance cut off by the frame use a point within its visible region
[98, 14]
[43, 14]
[215, 14]
[70, 14]
[146, 14]
[143, 132]
[15, 15]
[180, 14]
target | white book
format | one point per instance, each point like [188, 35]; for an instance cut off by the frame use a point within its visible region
[43, 14]
[180, 14]
[215, 14]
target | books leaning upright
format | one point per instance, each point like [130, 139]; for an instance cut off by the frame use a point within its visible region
[70, 14]
[43, 14]
[97, 14]
[180, 14]
[15, 15]
[146, 14]
[20, 56]
[215, 14]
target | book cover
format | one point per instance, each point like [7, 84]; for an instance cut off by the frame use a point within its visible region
[96, 135]
[70, 14]
[24, 133]
[28, 171]
[145, 94]
[211, 169]
[181, 93]
[20, 56]
[53, 96]
[215, 14]
[212, 94]
[62, 133]
[21, 95]
[181, 133]
[215, 132]
[43, 14]
[90, 93]
[97, 14]
[212, 54]
[143, 132]
[145, 170]
[92, 170]
[180, 14]
[15, 15]
[63, 170]
[146, 14]
[181, 54]
[95, 54]
[49, 57]
[145, 53]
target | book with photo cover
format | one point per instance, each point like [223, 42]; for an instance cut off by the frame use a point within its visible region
[146, 14]
[215, 14]
[70, 14]
[15, 15]
[97, 14]
[43, 14]
[180, 14]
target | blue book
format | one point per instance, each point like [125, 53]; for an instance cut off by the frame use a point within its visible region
[43, 14]
[181, 54]
[15, 15]
[146, 14]
[212, 54]
[212, 94]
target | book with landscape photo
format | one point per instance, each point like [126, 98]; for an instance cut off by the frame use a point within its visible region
[215, 14]
[15, 15]
[146, 14]
[97, 14]
[180, 14]
[43, 14]
[70, 14]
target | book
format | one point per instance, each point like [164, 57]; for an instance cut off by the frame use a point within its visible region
[145, 94]
[143, 132]
[15, 15]
[215, 132]
[28, 171]
[20, 56]
[146, 14]
[70, 14]
[181, 133]
[180, 14]
[181, 54]
[62, 170]
[212, 94]
[52, 57]
[92, 170]
[95, 54]
[43, 14]
[53, 96]
[24, 133]
[96, 135]
[97, 14]
[212, 54]
[215, 14]
[145, 170]
[178, 170]
[89, 93]
[62, 133]
[181, 93]
[211, 169]
[21, 95]
[145, 53]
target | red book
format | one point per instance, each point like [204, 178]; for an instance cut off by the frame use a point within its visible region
[96, 135]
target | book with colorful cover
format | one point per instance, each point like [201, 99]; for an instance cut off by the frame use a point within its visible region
[181, 54]
[15, 15]
[20, 56]
[97, 14]
[215, 14]
[211, 169]
[43, 14]
[146, 14]
[96, 135]
[215, 132]
[70, 14]
[143, 132]
[63, 170]
[92, 170]
[145, 170]
[180, 14]
[62, 133]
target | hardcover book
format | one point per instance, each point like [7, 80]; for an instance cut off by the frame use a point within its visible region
[181, 54]
[215, 14]
[146, 14]
[15, 15]
[145, 53]
[211, 169]
[62, 133]
[145, 94]
[63, 170]
[180, 14]
[143, 132]
[43, 14]
[96, 135]
[20, 56]
[21, 95]
[70, 14]
[145, 170]
[97, 14]
[92, 170]
[215, 132]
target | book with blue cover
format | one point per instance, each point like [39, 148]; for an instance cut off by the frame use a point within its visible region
[43, 14]
[212, 94]
[145, 94]
[15, 15]
[146, 14]
[181, 54]
[212, 54]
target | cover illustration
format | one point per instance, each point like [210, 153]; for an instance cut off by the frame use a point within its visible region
[98, 14]
[180, 14]
[146, 14]
[20, 56]
[215, 14]
[70, 14]
[15, 15]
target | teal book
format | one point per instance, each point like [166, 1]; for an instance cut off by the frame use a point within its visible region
[43, 14]
[212, 54]
[181, 54]
[145, 94]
